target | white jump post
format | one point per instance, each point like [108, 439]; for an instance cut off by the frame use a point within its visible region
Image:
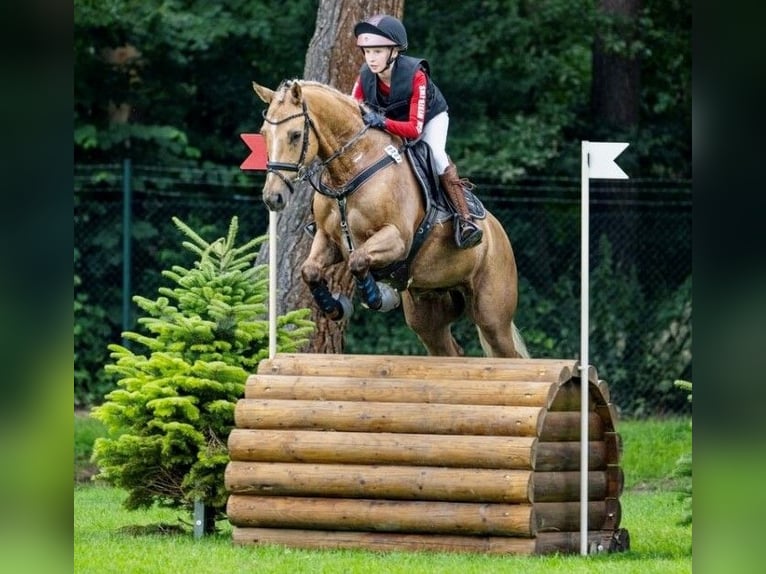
[597, 162]
[258, 161]
[272, 283]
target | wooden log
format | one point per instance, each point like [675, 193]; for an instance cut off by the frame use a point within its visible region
[382, 515]
[383, 541]
[567, 398]
[609, 415]
[414, 367]
[389, 482]
[599, 541]
[384, 417]
[565, 486]
[613, 514]
[468, 451]
[563, 456]
[370, 389]
[615, 481]
[565, 426]
[613, 446]
[565, 516]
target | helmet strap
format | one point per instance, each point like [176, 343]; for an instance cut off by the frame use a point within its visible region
[391, 59]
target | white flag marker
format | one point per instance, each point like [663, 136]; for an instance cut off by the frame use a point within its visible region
[597, 162]
[602, 164]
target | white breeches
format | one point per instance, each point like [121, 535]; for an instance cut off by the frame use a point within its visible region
[435, 134]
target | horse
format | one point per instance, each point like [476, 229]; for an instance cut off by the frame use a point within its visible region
[369, 211]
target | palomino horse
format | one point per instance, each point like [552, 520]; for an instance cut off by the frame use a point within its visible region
[369, 211]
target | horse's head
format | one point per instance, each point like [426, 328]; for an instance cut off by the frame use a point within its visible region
[287, 130]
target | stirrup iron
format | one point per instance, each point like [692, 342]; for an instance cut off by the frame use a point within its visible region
[467, 233]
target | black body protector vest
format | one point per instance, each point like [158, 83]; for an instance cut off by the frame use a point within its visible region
[397, 105]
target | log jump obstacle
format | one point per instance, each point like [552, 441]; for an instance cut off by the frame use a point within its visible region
[422, 453]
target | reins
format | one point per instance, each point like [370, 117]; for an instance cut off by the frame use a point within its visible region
[312, 173]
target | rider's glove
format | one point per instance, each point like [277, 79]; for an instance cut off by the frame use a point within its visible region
[374, 120]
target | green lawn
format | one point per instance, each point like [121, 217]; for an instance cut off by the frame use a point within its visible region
[108, 538]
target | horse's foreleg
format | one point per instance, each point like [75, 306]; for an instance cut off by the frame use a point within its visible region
[322, 254]
[382, 248]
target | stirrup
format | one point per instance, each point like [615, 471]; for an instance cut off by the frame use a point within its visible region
[467, 233]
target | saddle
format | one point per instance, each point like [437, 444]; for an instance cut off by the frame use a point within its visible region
[421, 158]
[438, 209]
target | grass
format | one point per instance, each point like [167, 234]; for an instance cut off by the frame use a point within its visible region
[86, 431]
[108, 538]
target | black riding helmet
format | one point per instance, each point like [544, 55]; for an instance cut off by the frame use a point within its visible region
[381, 30]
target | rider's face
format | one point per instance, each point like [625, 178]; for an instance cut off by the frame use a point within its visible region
[376, 58]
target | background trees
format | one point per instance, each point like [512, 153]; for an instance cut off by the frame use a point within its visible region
[168, 84]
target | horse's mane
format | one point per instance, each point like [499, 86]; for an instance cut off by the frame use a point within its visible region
[340, 112]
[314, 87]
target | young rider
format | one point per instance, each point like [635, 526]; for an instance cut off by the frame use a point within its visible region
[410, 105]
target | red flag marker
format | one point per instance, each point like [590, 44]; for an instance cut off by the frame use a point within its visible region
[256, 161]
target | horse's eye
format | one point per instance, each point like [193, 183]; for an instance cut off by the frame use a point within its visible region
[293, 137]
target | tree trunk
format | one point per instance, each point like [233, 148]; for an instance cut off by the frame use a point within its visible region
[334, 59]
[615, 104]
[615, 95]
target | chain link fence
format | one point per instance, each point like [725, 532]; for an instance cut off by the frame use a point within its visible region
[640, 265]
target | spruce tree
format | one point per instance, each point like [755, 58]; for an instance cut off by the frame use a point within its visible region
[170, 416]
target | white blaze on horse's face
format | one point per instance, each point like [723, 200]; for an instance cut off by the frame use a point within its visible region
[285, 130]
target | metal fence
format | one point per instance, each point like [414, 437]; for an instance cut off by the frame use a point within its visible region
[640, 249]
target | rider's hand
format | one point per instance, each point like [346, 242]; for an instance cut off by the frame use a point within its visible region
[374, 120]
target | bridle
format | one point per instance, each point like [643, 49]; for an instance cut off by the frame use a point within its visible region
[277, 167]
[392, 155]
[306, 172]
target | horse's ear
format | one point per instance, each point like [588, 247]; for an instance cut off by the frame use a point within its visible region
[264, 93]
[295, 92]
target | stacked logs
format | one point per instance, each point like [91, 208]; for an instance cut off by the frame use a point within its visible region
[422, 453]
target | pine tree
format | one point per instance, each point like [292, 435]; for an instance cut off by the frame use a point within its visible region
[173, 408]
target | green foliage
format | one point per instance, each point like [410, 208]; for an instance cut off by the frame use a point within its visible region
[170, 416]
[86, 431]
[632, 342]
[668, 347]
[169, 81]
[617, 315]
[90, 329]
[517, 76]
[683, 468]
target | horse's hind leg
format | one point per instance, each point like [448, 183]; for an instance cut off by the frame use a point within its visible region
[430, 316]
[493, 313]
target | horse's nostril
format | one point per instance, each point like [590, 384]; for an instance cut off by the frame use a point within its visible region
[275, 201]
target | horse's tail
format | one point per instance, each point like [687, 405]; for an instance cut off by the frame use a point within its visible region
[518, 342]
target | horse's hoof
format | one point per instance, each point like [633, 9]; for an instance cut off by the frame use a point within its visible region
[346, 305]
[390, 298]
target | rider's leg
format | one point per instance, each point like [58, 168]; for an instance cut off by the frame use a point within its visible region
[467, 233]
